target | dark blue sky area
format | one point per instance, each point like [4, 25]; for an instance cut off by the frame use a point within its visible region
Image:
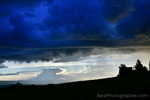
[32, 27]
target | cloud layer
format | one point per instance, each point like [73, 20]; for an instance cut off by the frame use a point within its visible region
[46, 29]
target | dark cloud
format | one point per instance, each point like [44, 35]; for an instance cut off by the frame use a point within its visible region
[138, 22]
[30, 15]
[8, 7]
[17, 25]
[79, 20]
[50, 52]
[138, 40]
[70, 24]
[2, 66]
[22, 2]
[20, 28]
[114, 10]
[39, 54]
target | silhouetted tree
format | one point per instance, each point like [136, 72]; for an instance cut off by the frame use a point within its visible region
[149, 65]
[138, 65]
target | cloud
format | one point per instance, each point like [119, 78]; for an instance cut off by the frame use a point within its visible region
[90, 34]
[17, 73]
[137, 22]
[9, 74]
[48, 76]
[45, 30]
[20, 28]
[60, 75]
[30, 15]
[38, 54]
[138, 40]
[20, 19]
[2, 65]
[75, 20]
[22, 2]
[8, 7]
[65, 54]
[98, 63]
[93, 72]
[115, 10]
[66, 20]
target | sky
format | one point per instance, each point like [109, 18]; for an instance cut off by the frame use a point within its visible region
[57, 41]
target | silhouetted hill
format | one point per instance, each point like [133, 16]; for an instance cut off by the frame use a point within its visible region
[130, 85]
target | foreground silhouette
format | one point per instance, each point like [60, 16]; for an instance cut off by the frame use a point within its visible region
[138, 69]
[129, 81]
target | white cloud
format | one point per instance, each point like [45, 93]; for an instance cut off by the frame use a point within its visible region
[48, 76]
[21, 76]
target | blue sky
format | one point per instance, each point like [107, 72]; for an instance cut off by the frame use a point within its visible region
[74, 37]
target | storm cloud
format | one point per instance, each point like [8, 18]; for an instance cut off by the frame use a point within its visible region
[115, 10]
[44, 30]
